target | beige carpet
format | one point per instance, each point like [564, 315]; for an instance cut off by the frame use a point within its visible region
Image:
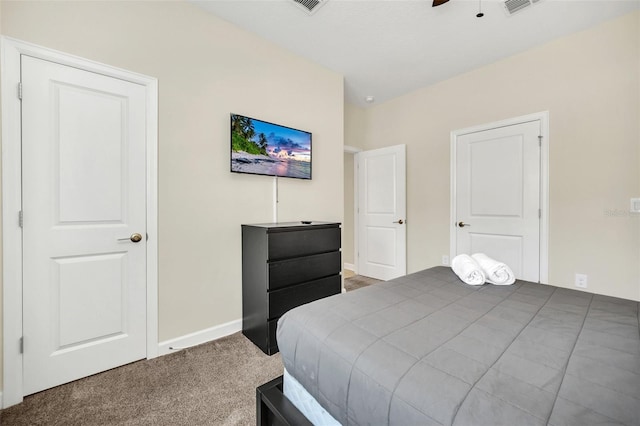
[210, 384]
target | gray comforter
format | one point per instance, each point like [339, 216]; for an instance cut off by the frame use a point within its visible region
[427, 349]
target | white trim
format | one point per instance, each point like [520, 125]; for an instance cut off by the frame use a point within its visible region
[544, 198]
[10, 51]
[543, 117]
[11, 232]
[453, 214]
[349, 266]
[356, 247]
[351, 149]
[152, 217]
[199, 337]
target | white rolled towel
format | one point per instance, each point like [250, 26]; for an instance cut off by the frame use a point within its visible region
[497, 273]
[468, 269]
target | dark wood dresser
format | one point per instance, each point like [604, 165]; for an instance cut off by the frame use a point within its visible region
[285, 265]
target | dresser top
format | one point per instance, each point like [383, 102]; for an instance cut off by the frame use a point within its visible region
[292, 224]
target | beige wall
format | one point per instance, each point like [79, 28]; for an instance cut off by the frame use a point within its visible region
[589, 83]
[206, 69]
[354, 137]
[348, 244]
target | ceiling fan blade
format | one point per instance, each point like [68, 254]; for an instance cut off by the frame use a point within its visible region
[438, 2]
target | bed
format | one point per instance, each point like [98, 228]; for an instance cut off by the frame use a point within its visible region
[427, 349]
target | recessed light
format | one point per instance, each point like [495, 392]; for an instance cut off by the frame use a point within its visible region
[369, 99]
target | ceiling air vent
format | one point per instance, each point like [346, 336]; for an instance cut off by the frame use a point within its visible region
[514, 6]
[310, 6]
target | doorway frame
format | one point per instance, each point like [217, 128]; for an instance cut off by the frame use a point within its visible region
[348, 149]
[12, 323]
[543, 117]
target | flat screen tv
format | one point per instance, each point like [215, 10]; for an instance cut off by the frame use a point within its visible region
[263, 148]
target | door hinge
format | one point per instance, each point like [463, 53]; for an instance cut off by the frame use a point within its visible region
[540, 140]
[20, 90]
[22, 345]
[539, 213]
[20, 219]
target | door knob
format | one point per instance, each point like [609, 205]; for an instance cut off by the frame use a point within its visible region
[462, 224]
[399, 221]
[136, 238]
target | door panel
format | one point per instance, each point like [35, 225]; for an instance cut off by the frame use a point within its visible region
[498, 196]
[89, 296]
[88, 147]
[84, 194]
[507, 248]
[381, 207]
[380, 173]
[381, 243]
[496, 177]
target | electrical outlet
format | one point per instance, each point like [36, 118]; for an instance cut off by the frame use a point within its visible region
[445, 259]
[581, 281]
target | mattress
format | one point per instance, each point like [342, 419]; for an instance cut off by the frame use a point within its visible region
[305, 403]
[428, 349]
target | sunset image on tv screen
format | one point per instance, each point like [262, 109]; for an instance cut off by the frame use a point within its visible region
[264, 148]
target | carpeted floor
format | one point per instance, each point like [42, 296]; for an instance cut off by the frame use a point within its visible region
[358, 281]
[209, 384]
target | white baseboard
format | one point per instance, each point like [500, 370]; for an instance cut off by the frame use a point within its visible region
[199, 337]
[349, 267]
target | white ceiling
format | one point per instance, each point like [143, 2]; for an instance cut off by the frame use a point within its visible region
[386, 48]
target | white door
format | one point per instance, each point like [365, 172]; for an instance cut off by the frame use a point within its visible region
[498, 196]
[382, 230]
[83, 189]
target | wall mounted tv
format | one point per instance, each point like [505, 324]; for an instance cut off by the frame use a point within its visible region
[263, 148]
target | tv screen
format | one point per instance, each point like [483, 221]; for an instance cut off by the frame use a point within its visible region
[263, 148]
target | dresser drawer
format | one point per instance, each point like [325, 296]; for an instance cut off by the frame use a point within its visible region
[296, 243]
[284, 273]
[280, 301]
